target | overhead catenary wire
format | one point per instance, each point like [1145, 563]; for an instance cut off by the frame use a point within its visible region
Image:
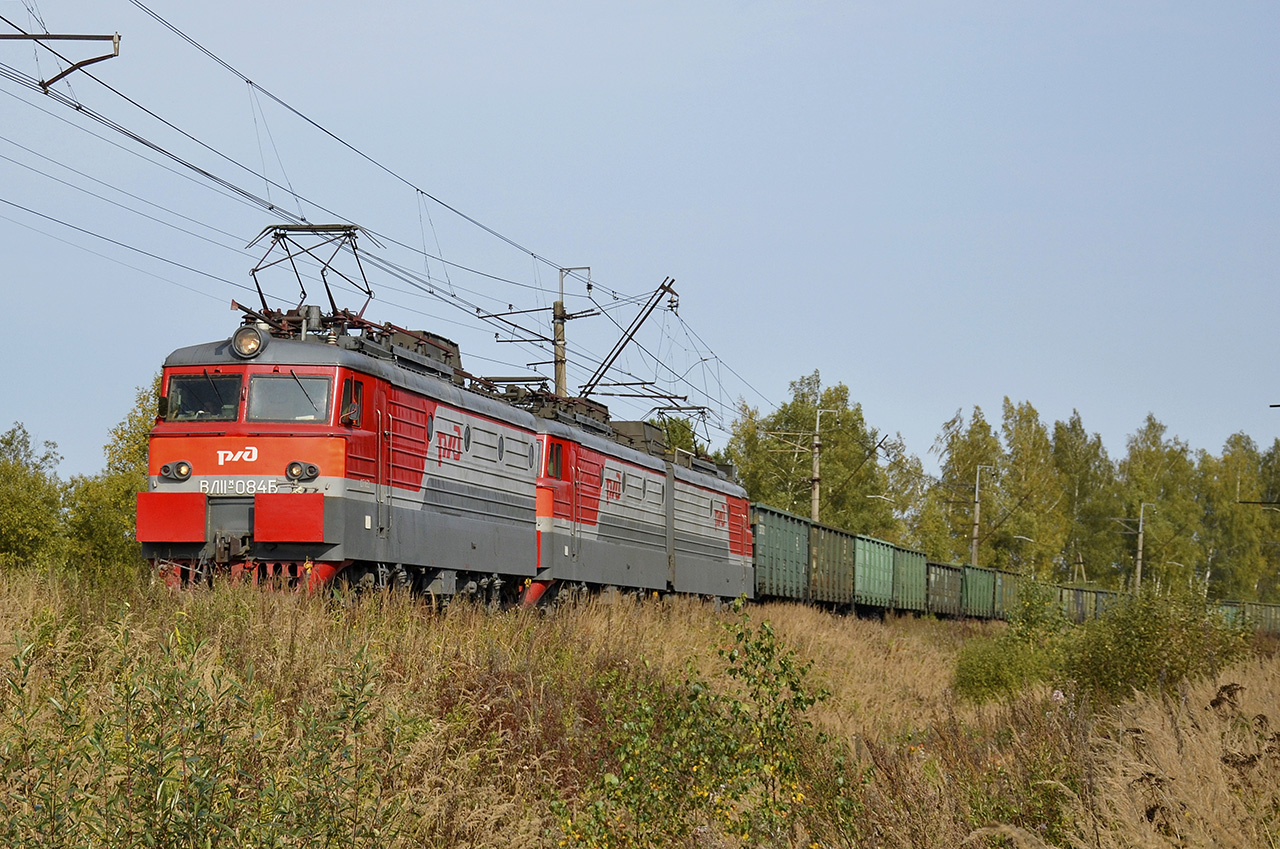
[125, 245]
[315, 124]
[124, 192]
[264, 203]
[30, 82]
[108, 258]
[619, 301]
[238, 191]
[118, 204]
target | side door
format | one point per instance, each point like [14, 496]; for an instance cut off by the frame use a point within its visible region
[557, 484]
[382, 476]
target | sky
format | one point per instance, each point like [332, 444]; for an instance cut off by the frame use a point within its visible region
[936, 204]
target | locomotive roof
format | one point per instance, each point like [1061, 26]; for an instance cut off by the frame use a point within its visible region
[317, 353]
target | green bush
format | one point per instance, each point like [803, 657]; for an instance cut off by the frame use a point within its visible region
[1028, 651]
[998, 667]
[1147, 642]
[1151, 642]
[685, 758]
[30, 500]
[164, 746]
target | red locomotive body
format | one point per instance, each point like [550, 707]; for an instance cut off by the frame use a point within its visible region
[313, 455]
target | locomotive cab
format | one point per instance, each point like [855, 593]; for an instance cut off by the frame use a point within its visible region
[246, 458]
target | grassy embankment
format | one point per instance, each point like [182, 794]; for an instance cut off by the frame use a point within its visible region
[244, 718]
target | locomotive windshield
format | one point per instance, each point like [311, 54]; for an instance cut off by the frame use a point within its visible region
[203, 397]
[288, 398]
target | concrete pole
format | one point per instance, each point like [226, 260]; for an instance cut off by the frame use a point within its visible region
[1137, 574]
[558, 317]
[977, 510]
[557, 312]
[817, 449]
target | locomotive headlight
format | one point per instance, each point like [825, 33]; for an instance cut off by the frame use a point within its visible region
[178, 471]
[247, 342]
[299, 471]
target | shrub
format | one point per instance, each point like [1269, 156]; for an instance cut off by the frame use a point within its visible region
[685, 757]
[1152, 642]
[30, 499]
[1029, 650]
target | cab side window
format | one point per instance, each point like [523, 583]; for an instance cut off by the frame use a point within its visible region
[554, 460]
[352, 402]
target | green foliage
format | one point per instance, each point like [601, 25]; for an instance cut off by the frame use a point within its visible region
[1151, 642]
[1031, 649]
[992, 668]
[1268, 583]
[1160, 471]
[687, 757]
[30, 499]
[100, 515]
[1038, 618]
[773, 454]
[1235, 535]
[771, 708]
[1022, 527]
[1052, 504]
[670, 746]
[182, 752]
[1089, 500]
[944, 526]
[679, 433]
[1030, 530]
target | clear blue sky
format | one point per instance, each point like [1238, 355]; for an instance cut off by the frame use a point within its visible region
[938, 204]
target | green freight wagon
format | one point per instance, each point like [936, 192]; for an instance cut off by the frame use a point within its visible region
[979, 592]
[946, 589]
[1006, 594]
[910, 580]
[1231, 612]
[1264, 617]
[1104, 600]
[1078, 603]
[781, 553]
[831, 565]
[873, 584]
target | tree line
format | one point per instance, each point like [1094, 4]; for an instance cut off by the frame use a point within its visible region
[1050, 501]
[87, 522]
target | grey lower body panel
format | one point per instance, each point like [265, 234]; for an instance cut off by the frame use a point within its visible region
[701, 576]
[456, 530]
[623, 554]
[700, 567]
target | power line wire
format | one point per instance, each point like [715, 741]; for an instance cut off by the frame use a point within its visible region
[267, 204]
[126, 246]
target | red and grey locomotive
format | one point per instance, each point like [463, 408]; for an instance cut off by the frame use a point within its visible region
[311, 448]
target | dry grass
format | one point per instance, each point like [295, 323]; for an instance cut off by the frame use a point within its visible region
[887, 679]
[471, 723]
[1200, 769]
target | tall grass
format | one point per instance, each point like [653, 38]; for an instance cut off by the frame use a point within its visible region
[134, 717]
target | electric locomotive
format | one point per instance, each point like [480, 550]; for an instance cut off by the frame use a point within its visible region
[312, 448]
